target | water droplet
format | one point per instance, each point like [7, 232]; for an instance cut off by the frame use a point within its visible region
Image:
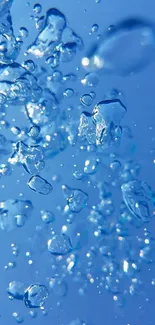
[40, 185]
[35, 296]
[59, 244]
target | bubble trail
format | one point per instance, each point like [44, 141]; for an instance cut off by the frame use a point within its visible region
[112, 53]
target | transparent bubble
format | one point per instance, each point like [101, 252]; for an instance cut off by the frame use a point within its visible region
[67, 52]
[76, 198]
[10, 46]
[11, 208]
[136, 287]
[44, 110]
[37, 8]
[77, 322]
[5, 170]
[29, 65]
[58, 287]
[79, 175]
[115, 165]
[16, 290]
[90, 80]
[70, 37]
[106, 54]
[5, 6]
[33, 314]
[69, 92]
[29, 156]
[47, 216]
[39, 22]
[59, 244]
[35, 296]
[139, 199]
[86, 100]
[40, 185]
[50, 35]
[91, 165]
[15, 249]
[94, 28]
[17, 316]
[24, 32]
[34, 131]
[102, 127]
[20, 220]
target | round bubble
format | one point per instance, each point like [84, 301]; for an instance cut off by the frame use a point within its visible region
[35, 296]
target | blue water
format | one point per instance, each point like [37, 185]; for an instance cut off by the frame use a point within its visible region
[77, 150]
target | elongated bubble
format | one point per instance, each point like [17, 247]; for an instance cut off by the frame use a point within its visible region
[40, 185]
[140, 199]
[125, 48]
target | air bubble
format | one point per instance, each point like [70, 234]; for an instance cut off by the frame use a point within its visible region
[35, 296]
[58, 287]
[139, 199]
[37, 8]
[86, 100]
[59, 244]
[76, 198]
[40, 185]
[16, 290]
[106, 53]
[47, 216]
[23, 32]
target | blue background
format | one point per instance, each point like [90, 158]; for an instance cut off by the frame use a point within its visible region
[93, 308]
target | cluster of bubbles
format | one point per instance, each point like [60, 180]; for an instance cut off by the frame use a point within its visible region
[97, 135]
